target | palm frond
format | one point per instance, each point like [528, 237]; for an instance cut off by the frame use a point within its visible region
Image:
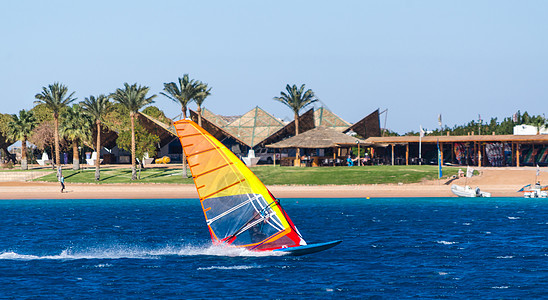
[296, 98]
[21, 125]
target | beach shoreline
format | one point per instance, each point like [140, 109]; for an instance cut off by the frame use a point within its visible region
[501, 182]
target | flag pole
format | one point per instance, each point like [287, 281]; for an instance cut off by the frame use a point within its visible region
[420, 145]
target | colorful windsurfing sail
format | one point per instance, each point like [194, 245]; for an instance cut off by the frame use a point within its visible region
[238, 208]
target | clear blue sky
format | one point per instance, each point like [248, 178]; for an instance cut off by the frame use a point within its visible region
[415, 58]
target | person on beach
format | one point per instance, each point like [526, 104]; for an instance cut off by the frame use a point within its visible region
[349, 161]
[62, 181]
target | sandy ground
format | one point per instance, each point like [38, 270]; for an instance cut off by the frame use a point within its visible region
[501, 182]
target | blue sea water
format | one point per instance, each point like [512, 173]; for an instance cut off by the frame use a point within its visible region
[392, 248]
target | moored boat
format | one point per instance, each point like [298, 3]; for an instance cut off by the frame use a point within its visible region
[535, 191]
[467, 191]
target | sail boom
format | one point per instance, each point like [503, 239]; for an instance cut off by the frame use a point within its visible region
[229, 211]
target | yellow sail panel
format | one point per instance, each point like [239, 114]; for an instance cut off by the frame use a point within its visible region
[214, 171]
[238, 208]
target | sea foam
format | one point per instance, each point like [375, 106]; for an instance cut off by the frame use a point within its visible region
[135, 252]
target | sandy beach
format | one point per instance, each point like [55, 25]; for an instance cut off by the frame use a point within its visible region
[501, 182]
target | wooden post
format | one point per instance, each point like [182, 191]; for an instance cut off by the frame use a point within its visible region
[517, 155]
[392, 154]
[359, 161]
[334, 156]
[407, 154]
[479, 154]
[512, 154]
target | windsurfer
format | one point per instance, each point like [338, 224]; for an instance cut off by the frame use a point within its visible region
[256, 231]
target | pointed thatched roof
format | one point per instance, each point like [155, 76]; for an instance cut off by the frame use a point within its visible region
[218, 120]
[319, 137]
[254, 126]
[166, 132]
[168, 127]
[324, 117]
[368, 126]
[214, 129]
[306, 122]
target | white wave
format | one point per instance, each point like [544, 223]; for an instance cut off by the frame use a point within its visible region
[513, 218]
[118, 252]
[71, 255]
[505, 256]
[229, 268]
[500, 287]
[446, 242]
[215, 250]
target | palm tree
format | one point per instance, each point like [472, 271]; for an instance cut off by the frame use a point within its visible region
[199, 99]
[19, 129]
[55, 97]
[76, 127]
[296, 99]
[133, 98]
[97, 108]
[183, 94]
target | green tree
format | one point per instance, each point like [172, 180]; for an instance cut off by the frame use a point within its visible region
[133, 98]
[42, 113]
[5, 141]
[75, 127]
[145, 142]
[117, 118]
[19, 129]
[97, 109]
[157, 114]
[296, 99]
[55, 98]
[184, 93]
[200, 98]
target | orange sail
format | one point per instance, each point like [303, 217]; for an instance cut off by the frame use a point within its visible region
[238, 208]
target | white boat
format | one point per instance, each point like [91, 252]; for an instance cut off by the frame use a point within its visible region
[535, 191]
[466, 191]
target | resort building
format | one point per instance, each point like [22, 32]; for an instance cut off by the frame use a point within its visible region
[477, 150]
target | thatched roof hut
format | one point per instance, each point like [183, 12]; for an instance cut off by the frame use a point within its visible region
[325, 117]
[368, 126]
[317, 138]
[254, 126]
[306, 122]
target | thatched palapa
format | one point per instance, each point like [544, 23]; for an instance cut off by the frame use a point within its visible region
[325, 117]
[254, 126]
[306, 122]
[318, 138]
